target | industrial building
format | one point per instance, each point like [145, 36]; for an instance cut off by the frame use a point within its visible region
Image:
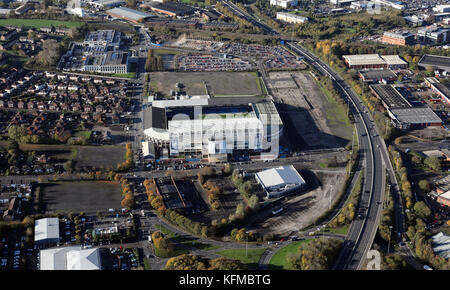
[362, 5]
[46, 231]
[279, 181]
[128, 14]
[389, 96]
[291, 18]
[99, 52]
[443, 90]
[374, 61]
[341, 3]
[441, 8]
[398, 38]
[435, 61]
[212, 127]
[433, 34]
[377, 75]
[70, 258]
[173, 9]
[102, 4]
[444, 198]
[284, 3]
[441, 245]
[391, 3]
[411, 118]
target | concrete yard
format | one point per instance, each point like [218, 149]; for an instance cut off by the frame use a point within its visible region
[217, 83]
[81, 196]
[302, 210]
[303, 104]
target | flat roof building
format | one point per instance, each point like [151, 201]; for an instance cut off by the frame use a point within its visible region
[284, 3]
[434, 34]
[377, 75]
[291, 18]
[128, 14]
[435, 61]
[389, 96]
[173, 9]
[106, 3]
[398, 37]
[410, 118]
[46, 231]
[279, 181]
[394, 62]
[70, 258]
[362, 61]
[443, 90]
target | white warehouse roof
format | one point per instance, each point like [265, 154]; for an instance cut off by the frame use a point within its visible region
[47, 228]
[441, 245]
[70, 258]
[283, 176]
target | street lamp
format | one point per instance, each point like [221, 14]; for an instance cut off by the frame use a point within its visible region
[389, 243]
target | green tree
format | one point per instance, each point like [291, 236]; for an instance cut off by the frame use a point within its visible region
[422, 210]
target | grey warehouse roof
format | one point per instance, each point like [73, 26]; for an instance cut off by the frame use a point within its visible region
[47, 228]
[129, 13]
[422, 115]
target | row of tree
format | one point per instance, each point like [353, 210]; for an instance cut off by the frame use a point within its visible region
[194, 262]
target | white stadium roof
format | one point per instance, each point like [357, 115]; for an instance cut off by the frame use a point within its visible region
[70, 258]
[47, 228]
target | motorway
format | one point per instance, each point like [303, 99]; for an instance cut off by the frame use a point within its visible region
[373, 149]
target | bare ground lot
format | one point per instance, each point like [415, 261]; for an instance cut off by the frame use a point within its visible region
[302, 210]
[306, 104]
[90, 156]
[219, 83]
[81, 196]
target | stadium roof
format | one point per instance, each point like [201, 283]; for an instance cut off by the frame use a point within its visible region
[70, 258]
[423, 115]
[47, 228]
[280, 177]
[128, 13]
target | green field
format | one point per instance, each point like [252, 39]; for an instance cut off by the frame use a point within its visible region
[253, 255]
[38, 23]
[130, 75]
[279, 260]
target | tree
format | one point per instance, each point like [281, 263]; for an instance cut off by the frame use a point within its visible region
[253, 202]
[422, 210]
[433, 163]
[424, 185]
[131, 3]
[16, 132]
[50, 54]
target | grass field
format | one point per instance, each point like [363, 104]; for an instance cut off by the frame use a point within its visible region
[340, 230]
[130, 75]
[219, 83]
[38, 23]
[96, 156]
[279, 260]
[252, 257]
[81, 196]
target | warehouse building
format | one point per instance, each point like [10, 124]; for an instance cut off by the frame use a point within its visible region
[70, 258]
[443, 90]
[102, 4]
[394, 62]
[364, 61]
[378, 75]
[389, 96]
[214, 127]
[46, 231]
[284, 3]
[434, 34]
[280, 181]
[128, 14]
[173, 9]
[291, 18]
[412, 118]
[441, 245]
[398, 38]
[435, 61]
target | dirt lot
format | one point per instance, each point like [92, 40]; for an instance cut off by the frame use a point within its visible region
[219, 83]
[303, 104]
[81, 196]
[302, 210]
